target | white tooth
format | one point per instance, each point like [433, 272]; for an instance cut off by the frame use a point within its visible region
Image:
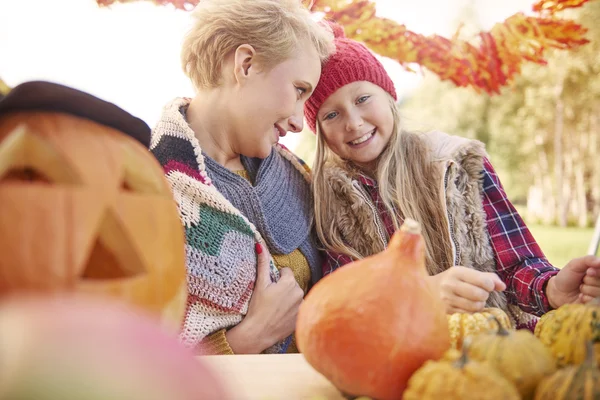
[362, 139]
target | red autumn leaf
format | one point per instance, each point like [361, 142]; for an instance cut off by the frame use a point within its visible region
[553, 6]
[486, 64]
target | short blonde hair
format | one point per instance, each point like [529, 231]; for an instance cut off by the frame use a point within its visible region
[275, 28]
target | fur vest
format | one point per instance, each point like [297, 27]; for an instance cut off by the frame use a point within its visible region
[459, 165]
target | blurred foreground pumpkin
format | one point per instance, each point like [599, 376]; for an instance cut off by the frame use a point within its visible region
[369, 325]
[84, 206]
[75, 347]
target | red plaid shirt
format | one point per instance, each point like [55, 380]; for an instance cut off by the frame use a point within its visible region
[520, 262]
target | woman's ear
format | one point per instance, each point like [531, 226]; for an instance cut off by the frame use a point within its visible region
[244, 60]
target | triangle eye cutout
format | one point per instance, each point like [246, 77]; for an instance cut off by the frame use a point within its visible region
[140, 176]
[113, 255]
[28, 158]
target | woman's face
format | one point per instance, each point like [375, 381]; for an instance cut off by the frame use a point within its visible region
[270, 102]
[356, 122]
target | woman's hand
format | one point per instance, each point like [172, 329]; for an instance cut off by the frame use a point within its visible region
[272, 310]
[466, 290]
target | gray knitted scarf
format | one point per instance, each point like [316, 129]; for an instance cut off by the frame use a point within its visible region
[279, 204]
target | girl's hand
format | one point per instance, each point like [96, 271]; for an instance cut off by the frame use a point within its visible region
[576, 282]
[465, 289]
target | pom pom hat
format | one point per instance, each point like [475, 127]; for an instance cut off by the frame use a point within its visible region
[351, 62]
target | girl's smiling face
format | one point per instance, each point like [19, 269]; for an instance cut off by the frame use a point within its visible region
[357, 122]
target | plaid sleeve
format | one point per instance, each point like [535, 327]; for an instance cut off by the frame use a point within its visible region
[520, 262]
[333, 261]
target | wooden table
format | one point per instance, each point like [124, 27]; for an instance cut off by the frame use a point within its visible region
[271, 377]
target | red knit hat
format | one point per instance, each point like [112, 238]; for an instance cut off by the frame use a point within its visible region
[351, 62]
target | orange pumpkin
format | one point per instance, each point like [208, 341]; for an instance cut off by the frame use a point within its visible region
[86, 208]
[370, 325]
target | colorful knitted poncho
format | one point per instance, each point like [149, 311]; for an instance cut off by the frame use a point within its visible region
[220, 240]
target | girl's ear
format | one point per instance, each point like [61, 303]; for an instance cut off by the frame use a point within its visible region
[244, 60]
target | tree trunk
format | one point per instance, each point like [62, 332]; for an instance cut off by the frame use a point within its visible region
[568, 177]
[536, 200]
[558, 155]
[582, 204]
[580, 187]
[595, 161]
[549, 202]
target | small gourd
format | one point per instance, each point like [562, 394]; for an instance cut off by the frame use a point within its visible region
[462, 325]
[518, 355]
[567, 329]
[460, 379]
[580, 382]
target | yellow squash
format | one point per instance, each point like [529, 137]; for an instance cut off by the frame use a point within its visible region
[573, 382]
[462, 378]
[463, 325]
[567, 329]
[518, 355]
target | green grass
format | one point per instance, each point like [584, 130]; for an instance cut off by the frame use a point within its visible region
[562, 244]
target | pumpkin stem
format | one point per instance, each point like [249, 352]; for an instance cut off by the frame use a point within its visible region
[590, 354]
[408, 241]
[501, 330]
[410, 226]
[464, 358]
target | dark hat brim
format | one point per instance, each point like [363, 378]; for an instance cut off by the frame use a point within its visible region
[49, 96]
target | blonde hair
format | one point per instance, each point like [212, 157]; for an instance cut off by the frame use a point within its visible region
[275, 28]
[408, 186]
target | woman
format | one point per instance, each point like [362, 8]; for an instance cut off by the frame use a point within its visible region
[369, 175]
[242, 196]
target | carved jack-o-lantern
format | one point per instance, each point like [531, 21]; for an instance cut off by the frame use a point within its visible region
[84, 207]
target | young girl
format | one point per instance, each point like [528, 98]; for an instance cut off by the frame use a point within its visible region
[369, 175]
